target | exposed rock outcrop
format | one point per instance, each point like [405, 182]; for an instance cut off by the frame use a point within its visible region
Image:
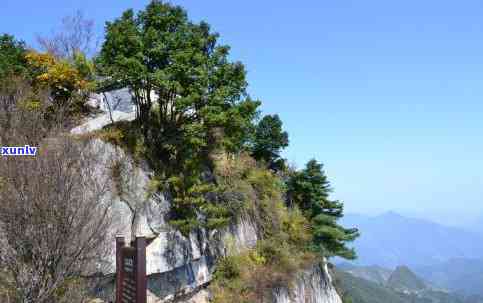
[179, 267]
[312, 286]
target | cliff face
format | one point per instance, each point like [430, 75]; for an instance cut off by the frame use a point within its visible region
[312, 286]
[178, 267]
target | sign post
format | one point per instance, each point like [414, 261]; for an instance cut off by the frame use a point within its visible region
[131, 282]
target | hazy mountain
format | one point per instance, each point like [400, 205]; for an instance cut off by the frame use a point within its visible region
[403, 279]
[359, 290]
[402, 286]
[390, 240]
[376, 274]
[363, 291]
[461, 275]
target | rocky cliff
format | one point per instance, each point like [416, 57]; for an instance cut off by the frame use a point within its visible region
[179, 267]
[312, 286]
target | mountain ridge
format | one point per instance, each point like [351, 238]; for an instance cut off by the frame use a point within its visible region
[403, 279]
[390, 240]
[403, 286]
[446, 257]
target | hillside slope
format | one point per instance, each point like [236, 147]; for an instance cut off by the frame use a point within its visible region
[403, 279]
[363, 291]
[376, 274]
[358, 290]
[460, 275]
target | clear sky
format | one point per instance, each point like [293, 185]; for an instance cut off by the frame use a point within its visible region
[388, 94]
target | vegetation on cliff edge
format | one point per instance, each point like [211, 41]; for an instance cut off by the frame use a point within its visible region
[196, 127]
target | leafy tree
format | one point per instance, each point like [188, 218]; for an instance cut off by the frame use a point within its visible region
[309, 190]
[269, 139]
[84, 66]
[67, 81]
[198, 89]
[190, 99]
[63, 78]
[12, 56]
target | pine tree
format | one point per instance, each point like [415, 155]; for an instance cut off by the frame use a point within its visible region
[12, 56]
[269, 139]
[309, 189]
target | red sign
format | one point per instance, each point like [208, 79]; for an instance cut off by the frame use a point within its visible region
[131, 279]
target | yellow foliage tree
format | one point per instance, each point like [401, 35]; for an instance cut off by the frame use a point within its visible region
[60, 76]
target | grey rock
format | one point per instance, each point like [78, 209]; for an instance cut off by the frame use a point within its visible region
[179, 266]
[312, 286]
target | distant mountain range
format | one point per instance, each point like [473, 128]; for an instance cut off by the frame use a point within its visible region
[390, 240]
[374, 284]
[446, 257]
[404, 280]
[359, 290]
[376, 274]
[401, 279]
[458, 275]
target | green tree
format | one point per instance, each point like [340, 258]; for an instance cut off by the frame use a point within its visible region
[12, 56]
[190, 99]
[68, 83]
[198, 90]
[309, 189]
[269, 139]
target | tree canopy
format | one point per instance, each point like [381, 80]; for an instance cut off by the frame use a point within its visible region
[164, 58]
[269, 139]
[190, 98]
[60, 76]
[309, 190]
[12, 56]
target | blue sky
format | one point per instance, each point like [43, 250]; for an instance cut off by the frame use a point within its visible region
[388, 95]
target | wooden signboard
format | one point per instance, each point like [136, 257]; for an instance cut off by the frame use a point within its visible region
[131, 271]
